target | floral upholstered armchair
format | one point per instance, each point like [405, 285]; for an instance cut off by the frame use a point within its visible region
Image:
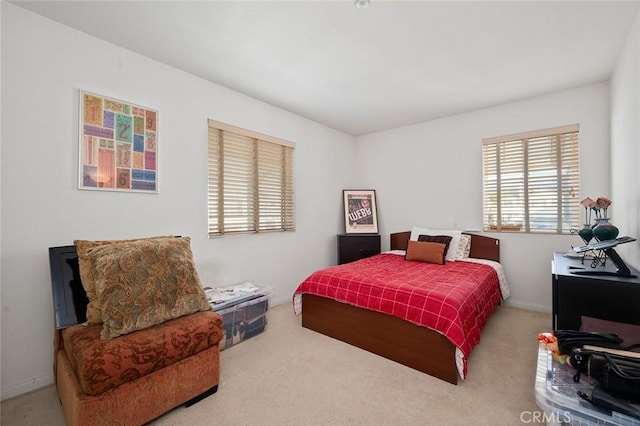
[146, 342]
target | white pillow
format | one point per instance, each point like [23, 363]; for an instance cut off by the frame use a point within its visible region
[453, 245]
[464, 248]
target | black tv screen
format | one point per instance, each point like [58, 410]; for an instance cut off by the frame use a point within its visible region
[69, 298]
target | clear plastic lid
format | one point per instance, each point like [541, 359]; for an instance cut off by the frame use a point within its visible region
[222, 297]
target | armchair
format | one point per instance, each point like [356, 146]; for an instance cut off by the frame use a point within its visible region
[134, 376]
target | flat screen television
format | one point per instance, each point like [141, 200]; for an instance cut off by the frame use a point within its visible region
[69, 298]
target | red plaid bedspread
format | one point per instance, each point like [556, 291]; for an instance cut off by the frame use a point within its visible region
[454, 299]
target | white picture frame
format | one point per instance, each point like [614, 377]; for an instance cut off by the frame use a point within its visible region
[118, 145]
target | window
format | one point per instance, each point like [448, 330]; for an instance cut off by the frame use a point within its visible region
[531, 181]
[250, 181]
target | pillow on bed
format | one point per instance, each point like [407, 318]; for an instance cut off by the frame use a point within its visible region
[422, 251]
[464, 248]
[453, 245]
[442, 239]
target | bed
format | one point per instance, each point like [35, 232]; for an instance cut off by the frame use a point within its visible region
[404, 333]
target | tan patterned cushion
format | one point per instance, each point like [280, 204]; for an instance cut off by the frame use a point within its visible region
[146, 282]
[94, 315]
[419, 251]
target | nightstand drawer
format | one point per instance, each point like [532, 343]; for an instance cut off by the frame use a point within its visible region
[355, 247]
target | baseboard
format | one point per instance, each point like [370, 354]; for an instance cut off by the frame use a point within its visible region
[27, 386]
[527, 305]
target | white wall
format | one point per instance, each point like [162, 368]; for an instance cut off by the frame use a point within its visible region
[625, 145]
[44, 64]
[430, 175]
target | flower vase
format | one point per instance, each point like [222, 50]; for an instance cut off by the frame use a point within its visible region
[586, 233]
[604, 230]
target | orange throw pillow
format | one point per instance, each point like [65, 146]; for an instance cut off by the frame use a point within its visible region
[419, 251]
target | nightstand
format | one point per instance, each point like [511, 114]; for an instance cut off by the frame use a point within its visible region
[578, 290]
[352, 247]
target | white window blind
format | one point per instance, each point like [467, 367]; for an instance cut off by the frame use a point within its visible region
[531, 181]
[250, 181]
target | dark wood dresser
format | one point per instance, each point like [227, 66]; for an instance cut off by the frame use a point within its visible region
[579, 290]
[352, 247]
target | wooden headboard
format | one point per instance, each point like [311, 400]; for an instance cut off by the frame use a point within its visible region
[482, 247]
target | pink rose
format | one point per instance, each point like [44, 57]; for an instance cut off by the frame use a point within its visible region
[603, 202]
[588, 203]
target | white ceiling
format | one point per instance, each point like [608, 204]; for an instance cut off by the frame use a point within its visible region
[364, 70]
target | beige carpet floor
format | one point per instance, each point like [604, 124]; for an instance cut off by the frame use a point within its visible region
[293, 376]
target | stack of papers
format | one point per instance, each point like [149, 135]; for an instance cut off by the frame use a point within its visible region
[224, 294]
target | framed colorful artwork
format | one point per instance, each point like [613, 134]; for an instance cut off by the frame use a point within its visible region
[118, 145]
[360, 216]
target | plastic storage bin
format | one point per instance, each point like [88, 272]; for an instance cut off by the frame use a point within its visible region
[244, 314]
[556, 394]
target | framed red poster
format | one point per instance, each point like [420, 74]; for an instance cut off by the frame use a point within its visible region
[360, 216]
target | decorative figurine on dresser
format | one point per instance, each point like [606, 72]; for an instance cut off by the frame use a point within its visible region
[608, 290]
[600, 230]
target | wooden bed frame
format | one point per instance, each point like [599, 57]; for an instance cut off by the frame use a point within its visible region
[417, 347]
